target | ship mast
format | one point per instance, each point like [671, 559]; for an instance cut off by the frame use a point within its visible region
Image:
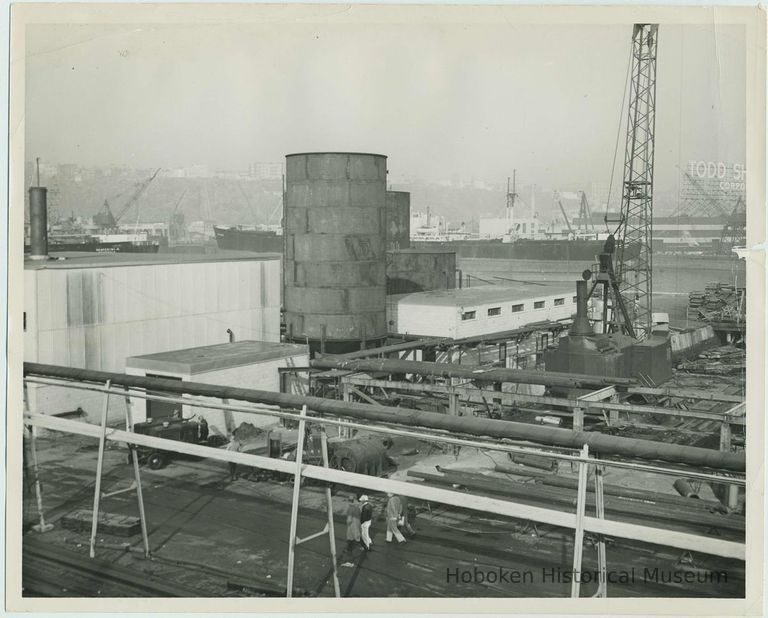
[511, 195]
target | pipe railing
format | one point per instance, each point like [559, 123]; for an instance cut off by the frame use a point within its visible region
[635, 532]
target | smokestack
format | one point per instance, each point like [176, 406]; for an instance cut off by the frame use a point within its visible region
[38, 223]
[581, 326]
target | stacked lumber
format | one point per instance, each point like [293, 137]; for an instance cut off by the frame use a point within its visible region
[719, 302]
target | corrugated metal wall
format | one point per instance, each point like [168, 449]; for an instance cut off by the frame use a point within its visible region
[95, 318]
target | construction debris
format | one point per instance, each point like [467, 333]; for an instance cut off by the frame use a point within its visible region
[725, 360]
[719, 302]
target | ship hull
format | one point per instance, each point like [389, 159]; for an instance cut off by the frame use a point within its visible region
[230, 238]
[556, 250]
[103, 247]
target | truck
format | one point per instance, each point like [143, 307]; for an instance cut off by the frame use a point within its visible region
[182, 430]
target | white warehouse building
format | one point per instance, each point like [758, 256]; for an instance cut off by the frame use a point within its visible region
[93, 311]
[242, 364]
[480, 310]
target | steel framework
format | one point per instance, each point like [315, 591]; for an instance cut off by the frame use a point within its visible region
[635, 232]
[734, 232]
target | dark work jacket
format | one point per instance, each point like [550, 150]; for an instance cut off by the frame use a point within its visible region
[366, 513]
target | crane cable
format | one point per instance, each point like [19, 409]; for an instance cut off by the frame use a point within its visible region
[618, 135]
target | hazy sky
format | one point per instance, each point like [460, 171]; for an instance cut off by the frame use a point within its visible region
[474, 100]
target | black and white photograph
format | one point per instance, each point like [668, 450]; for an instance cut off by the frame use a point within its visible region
[365, 302]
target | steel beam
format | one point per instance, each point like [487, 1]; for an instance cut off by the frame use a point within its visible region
[480, 396]
[503, 445]
[448, 370]
[416, 344]
[598, 443]
[683, 393]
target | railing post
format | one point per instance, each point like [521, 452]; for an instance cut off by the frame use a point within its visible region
[99, 467]
[134, 454]
[295, 501]
[331, 527]
[578, 540]
[42, 526]
[346, 395]
[578, 419]
[602, 588]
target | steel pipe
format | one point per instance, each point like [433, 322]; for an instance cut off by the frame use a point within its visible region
[501, 445]
[447, 370]
[598, 443]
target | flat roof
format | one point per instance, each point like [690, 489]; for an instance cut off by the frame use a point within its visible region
[85, 259]
[215, 357]
[365, 154]
[485, 294]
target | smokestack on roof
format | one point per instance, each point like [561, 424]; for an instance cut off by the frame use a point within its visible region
[38, 223]
[581, 326]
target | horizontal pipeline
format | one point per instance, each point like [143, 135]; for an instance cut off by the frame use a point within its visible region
[447, 370]
[600, 444]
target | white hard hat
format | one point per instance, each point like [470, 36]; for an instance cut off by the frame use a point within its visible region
[363, 498]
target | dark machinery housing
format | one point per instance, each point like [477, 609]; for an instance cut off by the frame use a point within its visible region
[173, 429]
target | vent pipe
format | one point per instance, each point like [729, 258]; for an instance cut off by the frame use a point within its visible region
[38, 223]
[581, 326]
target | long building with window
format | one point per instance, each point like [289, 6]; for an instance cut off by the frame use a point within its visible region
[479, 310]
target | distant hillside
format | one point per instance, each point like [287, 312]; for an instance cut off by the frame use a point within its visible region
[229, 201]
[223, 200]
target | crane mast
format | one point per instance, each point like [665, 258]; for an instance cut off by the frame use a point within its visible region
[634, 236]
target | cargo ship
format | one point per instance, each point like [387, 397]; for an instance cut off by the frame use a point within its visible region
[679, 235]
[521, 249]
[242, 238]
[100, 244]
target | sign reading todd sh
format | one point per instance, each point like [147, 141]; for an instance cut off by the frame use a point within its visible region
[731, 176]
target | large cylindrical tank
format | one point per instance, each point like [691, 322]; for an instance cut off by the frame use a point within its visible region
[398, 220]
[335, 281]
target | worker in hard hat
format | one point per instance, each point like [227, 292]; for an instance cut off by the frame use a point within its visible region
[394, 512]
[366, 516]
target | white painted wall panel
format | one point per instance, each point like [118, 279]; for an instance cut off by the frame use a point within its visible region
[97, 317]
[261, 376]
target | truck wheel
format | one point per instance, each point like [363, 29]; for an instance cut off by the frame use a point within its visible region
[155, 461]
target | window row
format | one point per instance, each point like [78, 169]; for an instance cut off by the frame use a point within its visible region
[495, 311]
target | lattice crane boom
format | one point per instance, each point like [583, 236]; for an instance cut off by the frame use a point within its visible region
[634, 236]
[136, 195]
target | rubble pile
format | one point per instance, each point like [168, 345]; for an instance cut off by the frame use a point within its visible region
[725, 360]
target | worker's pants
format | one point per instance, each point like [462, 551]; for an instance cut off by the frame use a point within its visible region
[364, 527]
[392, 529]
